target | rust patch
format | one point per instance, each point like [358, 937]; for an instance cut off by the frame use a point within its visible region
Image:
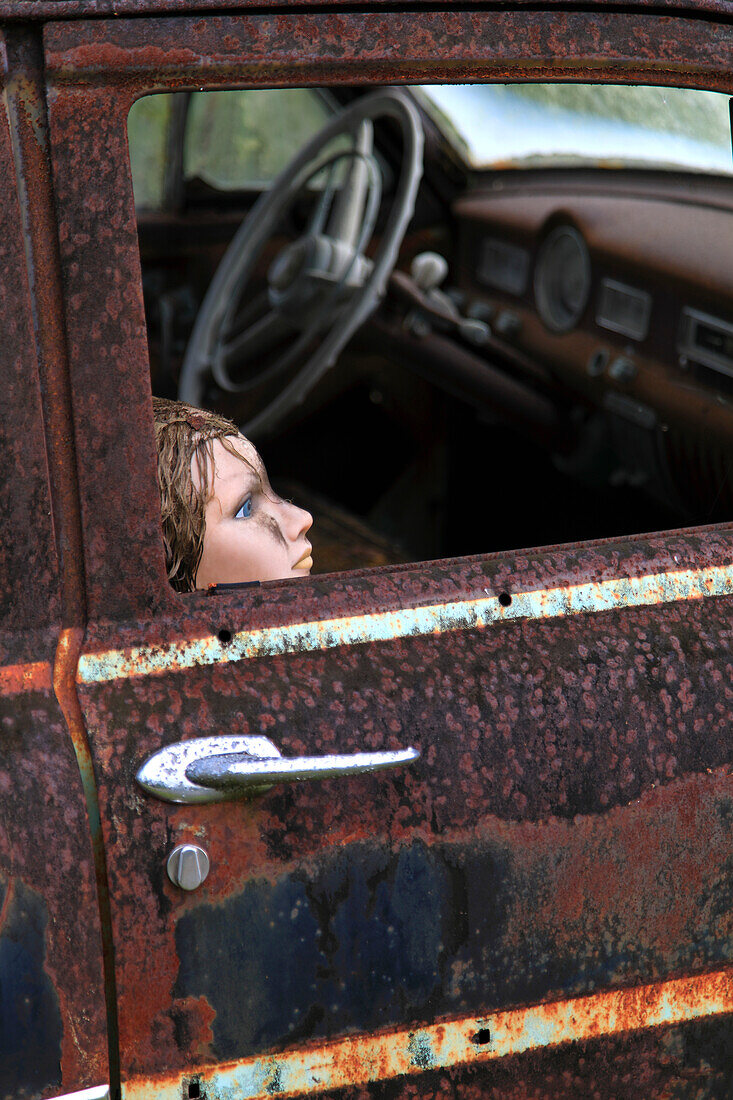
[436, 619]
[52, 912]
[67, 659]
[79, 9]
[34, 676]
[363, 1060]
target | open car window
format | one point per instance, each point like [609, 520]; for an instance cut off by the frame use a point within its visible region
[496, 125]
[241, 139]
[550, 359]
[148, 126]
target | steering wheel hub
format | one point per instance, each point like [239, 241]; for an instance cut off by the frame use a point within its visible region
[310, 266]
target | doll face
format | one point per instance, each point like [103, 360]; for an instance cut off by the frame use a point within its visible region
[251, 534]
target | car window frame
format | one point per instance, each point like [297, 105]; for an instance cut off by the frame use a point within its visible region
[495, 56]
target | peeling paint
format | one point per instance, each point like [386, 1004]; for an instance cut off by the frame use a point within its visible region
[364, 1059]
[550, 603]
[421, 1051]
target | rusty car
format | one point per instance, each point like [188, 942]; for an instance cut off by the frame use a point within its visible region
[453, 816]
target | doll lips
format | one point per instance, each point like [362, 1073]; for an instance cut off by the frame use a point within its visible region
[306, 562]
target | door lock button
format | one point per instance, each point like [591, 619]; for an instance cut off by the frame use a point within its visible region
[188, 866]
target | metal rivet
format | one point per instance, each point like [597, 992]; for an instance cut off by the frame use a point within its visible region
[188, 866]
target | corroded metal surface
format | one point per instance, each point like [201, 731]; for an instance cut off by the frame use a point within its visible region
[97, 235]
[567, 816]
[66, 661]
[31, 676]
[27, 114]
[98, 227]
[566, 832]
[578, 599]
[53, 1031]
[472, 1041]
[27, 549]
[379, 47]
[75, 9]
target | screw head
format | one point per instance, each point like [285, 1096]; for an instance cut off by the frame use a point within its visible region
[188, 866]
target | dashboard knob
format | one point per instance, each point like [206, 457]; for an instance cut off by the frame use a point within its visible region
[475, 331]
[597, 362]
[623, 369]
[508, 324]
[428, 270]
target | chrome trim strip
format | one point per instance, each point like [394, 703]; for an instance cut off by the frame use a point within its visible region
[550, 603]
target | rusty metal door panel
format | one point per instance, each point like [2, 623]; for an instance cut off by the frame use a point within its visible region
[557, 864]
[566, 831]
[53, 1034]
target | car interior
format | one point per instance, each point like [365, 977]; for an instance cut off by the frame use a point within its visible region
[454, 319]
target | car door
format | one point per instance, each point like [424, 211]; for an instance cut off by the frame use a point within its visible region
[539, 904]
[53, 1027]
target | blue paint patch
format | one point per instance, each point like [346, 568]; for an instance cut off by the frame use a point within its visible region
[30, 1018]
[256, 959]
[358, 945]
[387, 928]
[366, 937]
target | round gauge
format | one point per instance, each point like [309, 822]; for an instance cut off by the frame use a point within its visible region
[562, 279]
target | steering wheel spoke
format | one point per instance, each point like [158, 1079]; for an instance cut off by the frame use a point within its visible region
[245, 315]
[265, 376]
[258, 339]
[317, 220]
[347, 215]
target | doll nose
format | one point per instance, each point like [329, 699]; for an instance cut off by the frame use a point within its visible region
[298, 521]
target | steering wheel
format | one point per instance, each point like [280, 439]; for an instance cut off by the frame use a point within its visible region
[320, 287]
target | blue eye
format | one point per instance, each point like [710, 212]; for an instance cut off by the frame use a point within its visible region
[245, 509]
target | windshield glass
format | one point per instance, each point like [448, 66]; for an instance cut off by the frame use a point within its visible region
[527, 125]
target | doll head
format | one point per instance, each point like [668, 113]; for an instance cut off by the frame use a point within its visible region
[222, 522]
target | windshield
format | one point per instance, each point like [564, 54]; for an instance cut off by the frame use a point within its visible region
[527, 125]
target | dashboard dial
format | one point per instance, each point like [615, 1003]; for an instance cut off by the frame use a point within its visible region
[562, 279]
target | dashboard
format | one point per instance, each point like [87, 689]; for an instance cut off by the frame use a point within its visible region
[621, 288]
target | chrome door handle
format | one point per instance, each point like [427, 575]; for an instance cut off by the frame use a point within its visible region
[212, 769]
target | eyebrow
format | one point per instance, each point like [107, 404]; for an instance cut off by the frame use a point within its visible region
[249, 472]
[257, 468]
[234, 490]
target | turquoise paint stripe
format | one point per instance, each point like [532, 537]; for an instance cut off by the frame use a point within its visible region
[360, 1060]
[550, 603]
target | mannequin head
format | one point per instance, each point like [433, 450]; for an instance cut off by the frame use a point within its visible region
[222, 522]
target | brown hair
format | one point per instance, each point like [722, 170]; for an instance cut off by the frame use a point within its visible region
[182, 434]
